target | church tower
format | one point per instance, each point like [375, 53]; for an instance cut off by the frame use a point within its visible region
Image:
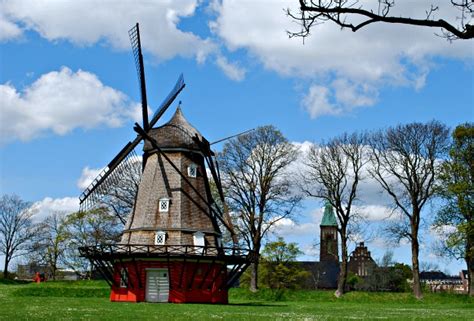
[329, 244]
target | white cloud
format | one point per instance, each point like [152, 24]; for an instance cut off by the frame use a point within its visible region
[316, 102]
[441, 233]
[374, 212]
[339, 97]
[345, 69]
[59, 102]
[287, 226]
[87, 176]
[49, 205]
[8, 29]
[232, 70]
[91, 21]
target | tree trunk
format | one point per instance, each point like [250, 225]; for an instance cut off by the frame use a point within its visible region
[254, 276]
[341, 282]
[415, 265]
[5, 269]
[470, 265]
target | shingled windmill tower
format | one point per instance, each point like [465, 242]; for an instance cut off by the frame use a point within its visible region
[171, 248]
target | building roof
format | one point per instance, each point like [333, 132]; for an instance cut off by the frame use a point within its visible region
[176, 133]
[329, 219]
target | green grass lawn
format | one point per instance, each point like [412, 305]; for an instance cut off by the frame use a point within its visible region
[88, 300]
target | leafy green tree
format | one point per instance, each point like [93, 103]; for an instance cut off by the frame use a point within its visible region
[456, 187]
[49, 242]
[90, 228]
[279, 267]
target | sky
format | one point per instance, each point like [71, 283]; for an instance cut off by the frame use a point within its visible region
[69, 93]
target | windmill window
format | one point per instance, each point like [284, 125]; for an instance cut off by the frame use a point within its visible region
[192, 170]
[198, 239]
[164, 205]
[123, 278]
[160, 238]
[219, 242]
[199, 242]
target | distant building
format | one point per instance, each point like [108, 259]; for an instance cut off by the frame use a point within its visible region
[438, 281]
[28, 271]
[360, 261]
[325, 273]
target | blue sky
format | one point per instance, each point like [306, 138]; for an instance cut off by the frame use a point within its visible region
[69, 93]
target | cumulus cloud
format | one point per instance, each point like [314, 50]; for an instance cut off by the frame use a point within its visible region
[345, 69]
[289, 227]
[8, 29]
[232, 70]
[88, 22]
[48, 205]
[316, 102]
[59, 102]
[87, 176]
[373, 204]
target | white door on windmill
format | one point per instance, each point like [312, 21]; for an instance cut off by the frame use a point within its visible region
[157, 285]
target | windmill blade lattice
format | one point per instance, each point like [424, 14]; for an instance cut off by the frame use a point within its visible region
[134, 34]
[114, 185]
[178, 87]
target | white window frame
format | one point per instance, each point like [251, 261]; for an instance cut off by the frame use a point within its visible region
[219, 241]
[199, 242]
[160, 238]
[192, 170]
[164, 201]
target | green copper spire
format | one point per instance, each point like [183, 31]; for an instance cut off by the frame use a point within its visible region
[329, 219]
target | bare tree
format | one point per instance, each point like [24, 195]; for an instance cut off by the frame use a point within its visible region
[353, 15]
[334, 171]
[405, 161]
[15, 227]
[49, 243]
[258, 186]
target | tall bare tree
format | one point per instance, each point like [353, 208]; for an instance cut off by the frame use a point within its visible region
[258, 186]
[354, 15]
[15, 227]
[334, 171]
[405, 161]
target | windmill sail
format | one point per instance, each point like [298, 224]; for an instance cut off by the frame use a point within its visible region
[127, 149]
[134, 35]
[123, 166]
[168, 100]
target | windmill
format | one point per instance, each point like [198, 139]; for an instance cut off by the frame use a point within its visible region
[171, 248]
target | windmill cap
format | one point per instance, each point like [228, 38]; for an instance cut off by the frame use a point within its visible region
[176, 133]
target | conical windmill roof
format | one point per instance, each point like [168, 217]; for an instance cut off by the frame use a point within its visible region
[329, 219]
[176, 133]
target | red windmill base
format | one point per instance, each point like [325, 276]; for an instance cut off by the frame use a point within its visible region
[175, 274]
